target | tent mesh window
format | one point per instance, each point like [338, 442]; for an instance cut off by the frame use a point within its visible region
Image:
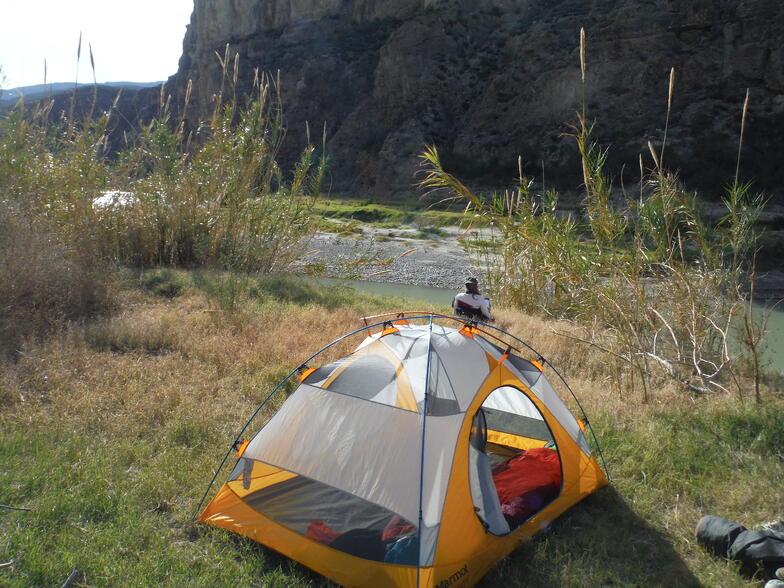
[514, 461]
[371, 373]
[441, 399]
[336, 518]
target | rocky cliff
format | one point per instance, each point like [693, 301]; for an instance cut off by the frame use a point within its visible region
[488, 80]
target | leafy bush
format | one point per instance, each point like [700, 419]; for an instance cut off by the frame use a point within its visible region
[651, 283]
[215, 199]
[648, 280]
[68, 210]
[225, 203]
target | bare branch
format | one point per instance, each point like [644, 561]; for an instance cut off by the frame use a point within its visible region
[667, 365]
[669, 328]
[6, 506]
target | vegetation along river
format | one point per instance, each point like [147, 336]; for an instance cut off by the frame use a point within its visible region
[773, 356]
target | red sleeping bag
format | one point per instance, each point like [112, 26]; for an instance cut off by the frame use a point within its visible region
[526, 482]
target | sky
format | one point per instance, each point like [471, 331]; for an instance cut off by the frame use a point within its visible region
[132, 41]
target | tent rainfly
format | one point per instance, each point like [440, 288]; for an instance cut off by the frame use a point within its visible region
[420, 459]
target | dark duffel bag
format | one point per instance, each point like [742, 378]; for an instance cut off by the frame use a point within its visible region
[756, 550]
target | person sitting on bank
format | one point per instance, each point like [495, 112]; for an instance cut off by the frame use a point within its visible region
[471, 303]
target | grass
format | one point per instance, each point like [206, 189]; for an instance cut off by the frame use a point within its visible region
[112, 429]
[214, 197]
[363, 211]
[117, 406]
[72, 209]
[388, 215]
[350, 227]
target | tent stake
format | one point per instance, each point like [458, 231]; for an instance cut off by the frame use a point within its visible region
[70, 579]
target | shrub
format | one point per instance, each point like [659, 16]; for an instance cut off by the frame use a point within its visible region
[224, 203]
[68, 209]
[650, 283]
[218, 199]
[43, 281]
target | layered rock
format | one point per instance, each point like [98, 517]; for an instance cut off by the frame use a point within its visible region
[489, 80]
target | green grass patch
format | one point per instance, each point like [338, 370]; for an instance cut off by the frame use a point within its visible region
[163, 282]
[112, 451]
[668, 470]
[271, 292]
[390, 214]
[363, 211]
[430, 233]
[119, 511]
[444, 218]
[341, 228]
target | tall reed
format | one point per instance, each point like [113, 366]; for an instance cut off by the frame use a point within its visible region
[647, 279]
[218, 199]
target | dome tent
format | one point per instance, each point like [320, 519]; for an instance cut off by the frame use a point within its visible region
[420, 459]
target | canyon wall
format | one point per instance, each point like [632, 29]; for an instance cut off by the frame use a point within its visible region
[488, 80]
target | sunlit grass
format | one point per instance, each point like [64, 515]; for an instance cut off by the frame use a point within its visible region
[388, 215]
[112, 430]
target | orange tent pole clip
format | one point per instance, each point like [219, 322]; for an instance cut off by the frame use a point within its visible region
[303, 374]
[242, 447]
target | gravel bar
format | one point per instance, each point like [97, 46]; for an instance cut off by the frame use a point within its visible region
[438, 262]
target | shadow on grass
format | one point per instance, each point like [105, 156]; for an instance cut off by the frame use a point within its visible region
[228, 289]
[600, 542]
[302, 291]
[277, 570]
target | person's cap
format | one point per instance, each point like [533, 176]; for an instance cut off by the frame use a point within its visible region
[471, 281]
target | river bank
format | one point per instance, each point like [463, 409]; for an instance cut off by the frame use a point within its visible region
[438, 259]
[402, 263]
[402, 256]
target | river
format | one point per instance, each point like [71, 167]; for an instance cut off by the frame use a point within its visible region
[773, 356]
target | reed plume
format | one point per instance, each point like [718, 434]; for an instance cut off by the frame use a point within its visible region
[582, 66]
[742, 129]
[669, 109]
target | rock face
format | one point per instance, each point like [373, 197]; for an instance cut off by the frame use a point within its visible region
[488, 80]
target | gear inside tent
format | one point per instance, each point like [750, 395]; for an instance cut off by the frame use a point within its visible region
[422, 458]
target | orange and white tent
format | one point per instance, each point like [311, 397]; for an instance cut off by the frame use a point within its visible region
[420, 459]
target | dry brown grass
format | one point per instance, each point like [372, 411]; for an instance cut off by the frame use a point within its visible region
[151, 361]
[156, 358]
[43, 281]
[176, 379]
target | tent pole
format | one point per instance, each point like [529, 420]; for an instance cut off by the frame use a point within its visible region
[264, 402]
[585, 416]
[422, 452]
